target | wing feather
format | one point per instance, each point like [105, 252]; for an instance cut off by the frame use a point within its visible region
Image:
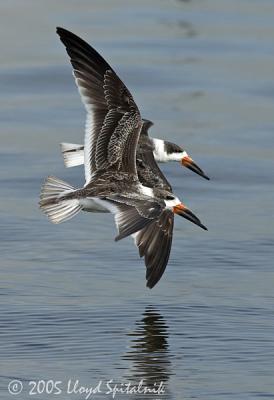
[110, 109]
[154, 243]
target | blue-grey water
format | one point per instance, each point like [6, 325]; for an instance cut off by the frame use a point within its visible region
[74, 306]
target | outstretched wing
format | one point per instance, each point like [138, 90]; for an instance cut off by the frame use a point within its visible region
[154, 243]
[131, 215]
[148, 171]
[113, 120]
[155, 239]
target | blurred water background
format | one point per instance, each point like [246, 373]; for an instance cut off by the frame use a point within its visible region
[73, 303]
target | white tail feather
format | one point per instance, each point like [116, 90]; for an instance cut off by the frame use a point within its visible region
[73, 154]
[52, 203]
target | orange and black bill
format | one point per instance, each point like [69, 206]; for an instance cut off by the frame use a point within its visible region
[190, 164]
[183, 211]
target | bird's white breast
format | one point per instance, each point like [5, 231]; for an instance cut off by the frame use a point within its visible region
[92, 204]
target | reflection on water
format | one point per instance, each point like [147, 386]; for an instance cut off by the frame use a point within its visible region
[149, 353]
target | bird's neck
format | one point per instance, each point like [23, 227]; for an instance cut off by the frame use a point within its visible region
[160, 153]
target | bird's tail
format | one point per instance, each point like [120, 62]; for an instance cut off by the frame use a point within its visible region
[56, 202]
[73, 154]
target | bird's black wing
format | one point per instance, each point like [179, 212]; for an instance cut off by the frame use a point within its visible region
[133, 214]
[148, 171]
[154, 243]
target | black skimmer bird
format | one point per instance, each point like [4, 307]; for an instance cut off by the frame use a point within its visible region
[163, 151]
[73, 155]
[112, 133]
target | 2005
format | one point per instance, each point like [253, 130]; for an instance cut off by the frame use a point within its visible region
[48, 387]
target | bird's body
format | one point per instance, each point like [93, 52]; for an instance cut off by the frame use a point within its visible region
[149, 150]
[74, 153]
[163, 151]
[142, 201]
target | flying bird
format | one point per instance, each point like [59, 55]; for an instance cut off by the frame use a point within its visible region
[112, 134]
[73, 155]
[163, 151]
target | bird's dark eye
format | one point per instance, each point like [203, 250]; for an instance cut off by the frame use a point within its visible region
[170, 197]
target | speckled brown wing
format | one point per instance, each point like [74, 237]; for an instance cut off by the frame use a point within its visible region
[113, 120]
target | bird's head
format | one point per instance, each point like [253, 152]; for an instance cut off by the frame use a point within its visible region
[177, 207]
[166, 151]
[178, 153]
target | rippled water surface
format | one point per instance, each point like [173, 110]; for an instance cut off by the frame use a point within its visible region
[74, 305]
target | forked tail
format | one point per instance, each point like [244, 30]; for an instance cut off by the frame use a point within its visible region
[53, 201]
